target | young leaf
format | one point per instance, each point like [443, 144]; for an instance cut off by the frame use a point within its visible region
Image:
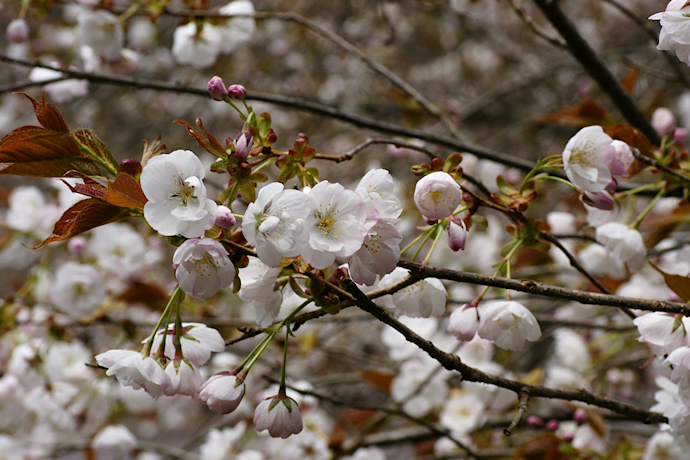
[39, 152]
[93, 147]
[125, 192]
[677, 283]
[83, 216]
[48, 115]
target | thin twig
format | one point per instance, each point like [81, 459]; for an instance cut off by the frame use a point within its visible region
[527, 19]
[374, 141]
[522, 409]
[652, 162]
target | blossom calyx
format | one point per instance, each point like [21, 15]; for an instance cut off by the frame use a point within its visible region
[279, 415]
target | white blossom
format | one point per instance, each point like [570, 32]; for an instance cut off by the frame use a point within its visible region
[623, 243]
[198, 48]
[101, 31]
[463, 412]
[177, 201]
[77, 290]
[376, 189]
[274, 223]
[197, 340]
[203, 267]
[379, 254]
[114, 439]
[437, 195]
[222, 392]
[508, 324]
[675, 29]
[135, 370]
[184, 378]
[236, 30]
[424, 298]
[464, 322]
[258, 288]
[585, 159]
[279, 415]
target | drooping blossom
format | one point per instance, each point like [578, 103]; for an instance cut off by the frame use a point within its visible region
[623, 243]
[585, 159]
[243, 144]
[464, 322]
[197, 340]
[335, 224]
[662, 330]
[222, 392]
[77, 289]
[236, 30]
[508, 324]
[184, 378]
[203, 267]
[274, 223]
[376, 189]
[424, 298]
[675, 29]
[135, 370]
[379, 254]
[258, 288]
[177, 201]
[101, 31]
[437, 195]
[196, 47]
[279, 415]
[457, 233]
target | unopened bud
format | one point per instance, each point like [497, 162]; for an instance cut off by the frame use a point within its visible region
[534, 421]
[216, 88]
[663, 121]
[552, 425]
[600, 200]
[224, 217]
[76, 245]
[243, 144]
[580, 416]
[237, 91]
[17, 31]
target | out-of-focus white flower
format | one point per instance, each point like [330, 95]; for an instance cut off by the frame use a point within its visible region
[141, 34]
[198, 341]
[221, 443]
[102, 32]
[400, 349]
[663, 121]
[561, 222]
[464, 322]
[133, 369]
[663, 446]
[508, 324]
[59, 91]
[599, 262]
[236, 30]
[114, 439]
[463, 412]
[222, 392]
[424, 298]
[675, 29]
[585, 159]
[203, 267]
[279, 415]
[274, 223]
[77, 290]
[437, 195]
[17, 31]
[379, 254]
[623, 243]
[177, 202]
[184, 378]
[367, 453]
[376, 189]
[570, 350]
[335, 224]
[414, 388]
[29, 212]
[258, 288]
[118, 248]
[198, 48]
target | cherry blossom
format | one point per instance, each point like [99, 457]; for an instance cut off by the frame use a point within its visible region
[17, 31]
[437, 195]
[222, 392]
[675, 29]
[133, 369]
[379, 254]
[623, 243]
[424, 298]
[197, 340]
[196, 47]
[457, 233]
[663, 121]
[662, 330]
[586, 157]
[217, 88]
[279, 415]
[78, 289]
[376, 189]
[202, 267]
[101, 31]
[184, 378]
[335, 224]
[274, 223]
[508, 324]
[114, 440]
[464, 322]
[260, 291]
[177, 204]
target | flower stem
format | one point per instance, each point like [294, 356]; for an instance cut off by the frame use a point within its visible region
[176, 296]
[649, 207]
[439, 232]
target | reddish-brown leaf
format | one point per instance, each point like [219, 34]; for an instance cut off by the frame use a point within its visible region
[209, 143]
[630, 80]
[39, 152]
[125, 192]
[677, 283]
[48, 115]
[588, 112]
[83, 216]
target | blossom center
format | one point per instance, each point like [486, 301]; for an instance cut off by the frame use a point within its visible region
[186, 191]
[584, 155]
[326, 224]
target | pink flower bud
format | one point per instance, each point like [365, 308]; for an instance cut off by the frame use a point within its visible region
[534, 421]
[663, 121]
[464, 322]
[600, 200]
[620, 158]
[679, 135]
[436, 196]
[17, 31]
[457, 234]
[568, 437]
[224, 217]
[76, 245]
[580, 416]
[237, 91]
[552, 425]
[243, 144]
[216, 88]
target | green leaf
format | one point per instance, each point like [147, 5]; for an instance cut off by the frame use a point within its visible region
[93, 147]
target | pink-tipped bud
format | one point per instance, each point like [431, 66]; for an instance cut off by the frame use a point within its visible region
[464, 322]
[76, 245]
[457, 233]
[679, 135]
[216, 88]
[663, 121]
[237, 91]
[580, 416]
[224, 217]
[600, 200]
[17, 31]
[534, 421]
[552, 425]
[243, 144]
